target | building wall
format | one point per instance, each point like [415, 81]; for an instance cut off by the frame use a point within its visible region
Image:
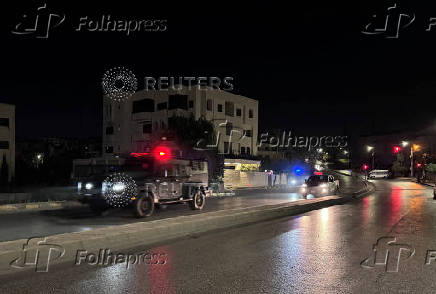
[7, 137]
[128, 135]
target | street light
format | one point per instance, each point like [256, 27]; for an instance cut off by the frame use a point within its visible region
[404, 143]
[371, 149]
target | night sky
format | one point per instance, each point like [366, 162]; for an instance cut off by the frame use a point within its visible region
[310, 66]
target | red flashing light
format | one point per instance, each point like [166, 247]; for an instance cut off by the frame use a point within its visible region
[418, 165]
[162, 153]
[317, 173]
[365, 167]
[397, 149]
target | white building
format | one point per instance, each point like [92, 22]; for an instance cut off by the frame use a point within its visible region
[129, 126]
[7, 137]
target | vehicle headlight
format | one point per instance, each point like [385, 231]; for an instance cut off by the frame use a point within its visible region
[79, 186]
[324, 190]
[323, 185]
[304, 185]
[89, 186]
[103, 187]
[118, 187]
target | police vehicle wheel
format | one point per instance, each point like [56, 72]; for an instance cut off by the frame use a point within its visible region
[144, 205]
[198, 200]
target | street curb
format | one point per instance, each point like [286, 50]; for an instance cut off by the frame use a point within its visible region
[36, 206]
[369, 188]
[132, 236]
[425, 184]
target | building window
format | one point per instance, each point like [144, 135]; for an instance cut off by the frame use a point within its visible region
[109, 130]
[144, 105]
[230, 108]
[209, 104]
[109, 149]
[242, 150]
[4, 144]
[191, 103]
[4, 122]
[220, 108]
[178, 102]
[248, 133]
[250, 113]
[162, 106]
[146, 128]
[238, 111]
[248, 151]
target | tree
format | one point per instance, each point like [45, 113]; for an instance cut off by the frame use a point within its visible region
[398, 167]
[191, 132]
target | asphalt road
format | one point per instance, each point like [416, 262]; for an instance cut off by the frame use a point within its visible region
[44, 223]
[317, 252]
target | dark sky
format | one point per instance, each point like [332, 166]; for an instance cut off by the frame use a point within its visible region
[309, 65]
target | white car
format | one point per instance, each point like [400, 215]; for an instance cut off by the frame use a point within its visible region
[320, 185]
[378, 174]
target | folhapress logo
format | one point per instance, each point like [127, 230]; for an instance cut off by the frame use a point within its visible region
[387, 253]
[390, 24]
[39, 24]
[38, 253]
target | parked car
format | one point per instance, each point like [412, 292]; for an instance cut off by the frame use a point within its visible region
[378, 174]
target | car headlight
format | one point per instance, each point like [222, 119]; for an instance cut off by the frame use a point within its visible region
[118, 187]
[324, 190]
[79, 186]
[323, 185]
[103, 187]
[89, 186]
[304, 185]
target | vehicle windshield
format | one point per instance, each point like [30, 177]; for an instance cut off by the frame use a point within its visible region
[135, 165]
[315, 180]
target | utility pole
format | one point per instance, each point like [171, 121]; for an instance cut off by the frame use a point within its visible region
[411, 160]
